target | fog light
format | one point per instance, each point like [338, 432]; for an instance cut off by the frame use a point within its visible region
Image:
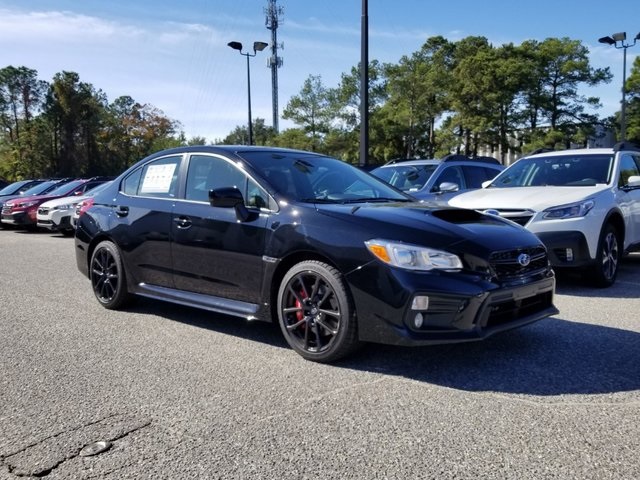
[420, 303]
[569, 254]
[418, 320]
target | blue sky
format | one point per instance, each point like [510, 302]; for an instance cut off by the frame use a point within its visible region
[174, 55]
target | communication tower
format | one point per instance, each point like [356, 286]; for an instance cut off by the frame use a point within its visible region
[274, 18]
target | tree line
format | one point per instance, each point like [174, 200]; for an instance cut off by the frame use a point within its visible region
[465, 97]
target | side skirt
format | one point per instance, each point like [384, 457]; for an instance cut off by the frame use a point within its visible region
[248, 311]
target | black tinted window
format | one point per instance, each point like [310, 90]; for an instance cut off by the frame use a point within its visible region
[475, 175]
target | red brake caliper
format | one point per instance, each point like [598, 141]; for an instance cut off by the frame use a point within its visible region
[300, 313]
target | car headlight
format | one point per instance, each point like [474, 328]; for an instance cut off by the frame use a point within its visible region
[24, 204]
[412, 257]
[572, 210]
[66, 206]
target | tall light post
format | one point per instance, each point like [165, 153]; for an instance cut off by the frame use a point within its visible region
[618, 40]
[257, 47]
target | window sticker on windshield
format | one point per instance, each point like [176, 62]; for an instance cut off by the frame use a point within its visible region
[157, 178]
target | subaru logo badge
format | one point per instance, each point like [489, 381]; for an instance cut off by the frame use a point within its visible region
[491, 211]
[524, 259]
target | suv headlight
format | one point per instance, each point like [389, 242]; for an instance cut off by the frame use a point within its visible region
[412, 257]
[66, 206]
[572, 210]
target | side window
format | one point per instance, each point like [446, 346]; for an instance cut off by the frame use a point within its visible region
[208, 173]
[449, 174]
[628, 168]
[475, 175]
[156, 179]
[130, 184]
[256, 196]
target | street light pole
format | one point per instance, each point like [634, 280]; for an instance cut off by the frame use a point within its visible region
[618, 40]
[257, 47]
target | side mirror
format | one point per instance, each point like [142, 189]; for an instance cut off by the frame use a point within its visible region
[448, 187]
[230, 197]
[633, 181]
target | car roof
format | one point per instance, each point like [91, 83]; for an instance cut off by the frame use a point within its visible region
[417, 162]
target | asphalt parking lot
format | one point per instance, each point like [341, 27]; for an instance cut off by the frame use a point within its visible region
[182, 393]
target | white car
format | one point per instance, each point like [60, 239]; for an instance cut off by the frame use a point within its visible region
[584, 204]
[56, 214]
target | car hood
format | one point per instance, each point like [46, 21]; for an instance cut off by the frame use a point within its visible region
[62, 201]
[31, 198]
[433, 226]
[534, 198]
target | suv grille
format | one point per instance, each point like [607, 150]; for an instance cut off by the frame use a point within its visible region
[520, 216]
[6, 210]
[507, 266]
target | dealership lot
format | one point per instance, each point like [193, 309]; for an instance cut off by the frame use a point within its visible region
[183, 393]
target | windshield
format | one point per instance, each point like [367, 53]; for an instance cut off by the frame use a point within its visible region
[12, 187]
[41, 188]
[97, 189]
[63, 190]
[564, 170]
[314, 178]
[409, 178]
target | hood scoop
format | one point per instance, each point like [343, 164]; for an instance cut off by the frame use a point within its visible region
[460, 216]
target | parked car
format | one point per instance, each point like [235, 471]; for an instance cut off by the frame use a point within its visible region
[41, 188]
[333, 254]
[56, 215]
[584, 204]
[85, 203]
[18, 188]
[22, 211]
[439, 179]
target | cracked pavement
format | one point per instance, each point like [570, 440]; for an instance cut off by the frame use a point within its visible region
[183, 393]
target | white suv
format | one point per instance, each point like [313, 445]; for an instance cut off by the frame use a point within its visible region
[583, 204]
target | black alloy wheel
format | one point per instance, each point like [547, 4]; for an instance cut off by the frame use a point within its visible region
[315, 312]
[107, 276]
[607, 258]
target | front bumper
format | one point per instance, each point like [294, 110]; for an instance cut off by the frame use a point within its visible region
[55, 220]
[461, 307]
[17, 218]
[567, 249]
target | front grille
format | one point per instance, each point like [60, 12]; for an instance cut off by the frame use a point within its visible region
[6, 210]
[506, 266]
[506, 312]
[518, 215]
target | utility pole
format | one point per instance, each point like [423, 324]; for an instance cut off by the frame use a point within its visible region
[273, 20]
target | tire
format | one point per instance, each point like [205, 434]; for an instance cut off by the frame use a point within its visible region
[315, 312]
[107, 276]
[605, 270]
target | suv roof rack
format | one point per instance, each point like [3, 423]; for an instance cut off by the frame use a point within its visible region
[626, 146]
[456, 157]
[540, 150]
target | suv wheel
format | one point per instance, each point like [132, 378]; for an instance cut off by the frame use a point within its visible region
[607, 258]
[315, 312]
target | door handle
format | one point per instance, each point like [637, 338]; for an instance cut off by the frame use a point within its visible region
[122, 211]
[182, 222]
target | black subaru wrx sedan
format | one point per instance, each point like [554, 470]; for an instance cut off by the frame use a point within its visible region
[333, 254]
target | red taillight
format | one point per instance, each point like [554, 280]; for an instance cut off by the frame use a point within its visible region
[84, 206]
